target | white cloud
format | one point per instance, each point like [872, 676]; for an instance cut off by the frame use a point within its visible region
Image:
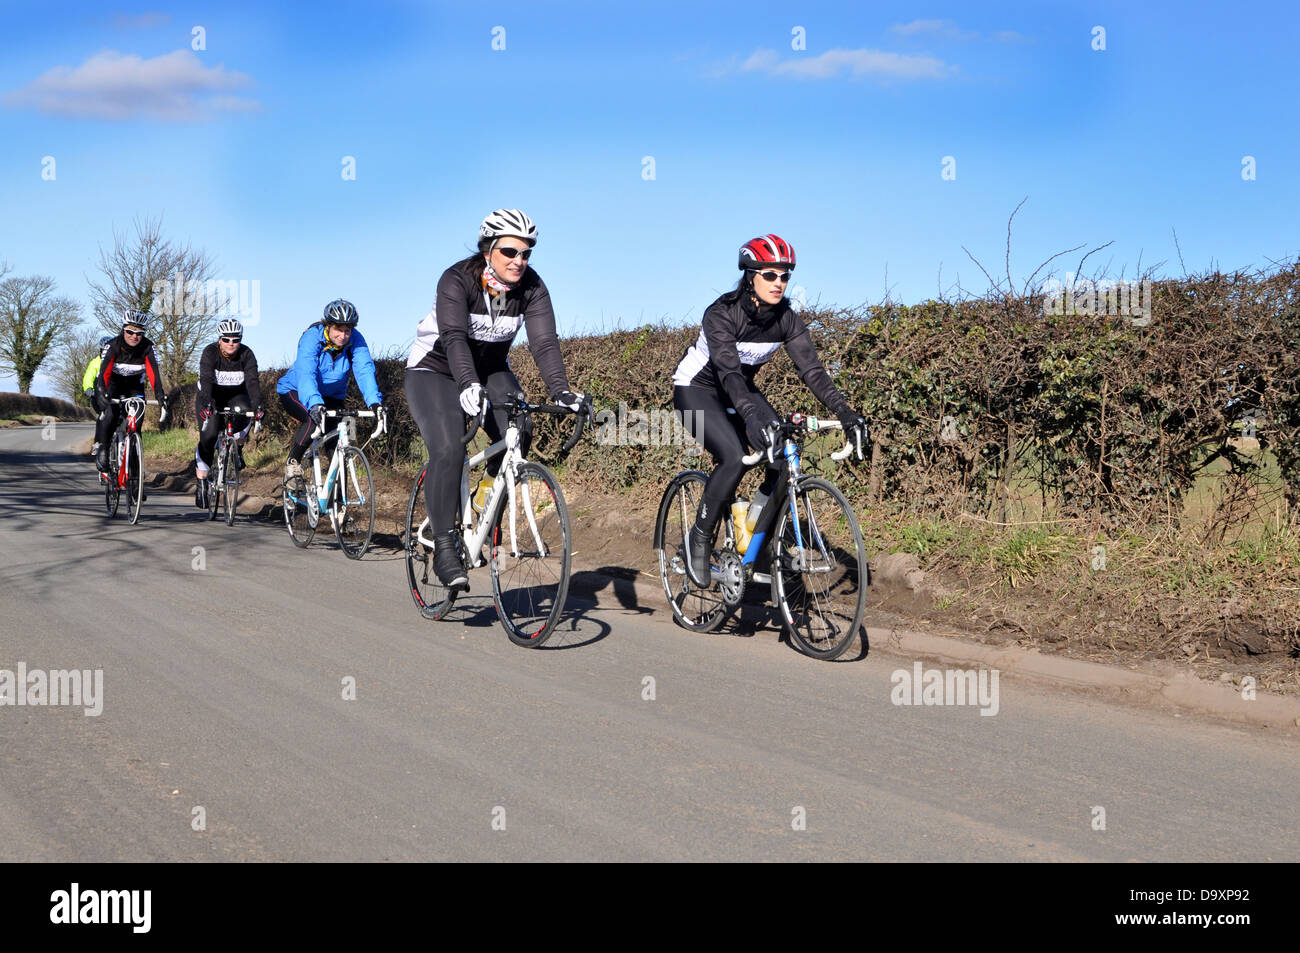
[948, 29]
[832, 63]
[109, 85]
[932, 28]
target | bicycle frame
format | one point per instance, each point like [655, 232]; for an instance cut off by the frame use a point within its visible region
[324, 487]
[787, 485]
[128, 425]
[503, 491]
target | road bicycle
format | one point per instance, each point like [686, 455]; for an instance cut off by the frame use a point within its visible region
[125, 474]
[345, 494]
[815, 558]
[524, 522]
[223, 476]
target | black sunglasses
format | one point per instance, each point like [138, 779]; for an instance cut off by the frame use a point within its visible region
[230, 340]
[134, 334]
[512, 252]
[781, 276]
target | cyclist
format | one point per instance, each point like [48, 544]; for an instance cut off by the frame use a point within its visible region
[126, 363]
[318, 380]
[88, 381]
[227, 378]
[461, 352]
[741, 331]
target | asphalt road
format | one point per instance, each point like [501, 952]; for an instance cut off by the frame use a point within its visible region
[223, 690]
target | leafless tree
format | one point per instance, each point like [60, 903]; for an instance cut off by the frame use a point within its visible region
[70, 361]
[151, 273]
[33, 323]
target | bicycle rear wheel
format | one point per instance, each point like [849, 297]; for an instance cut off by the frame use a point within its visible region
[297, 515]
[701, 610]
[432, 598]
[230, 480]
[352, 504]
[530, 558]
[819, 570]
[134, 488]
[112, 493]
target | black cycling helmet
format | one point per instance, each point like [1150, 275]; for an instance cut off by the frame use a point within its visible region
[339, 311]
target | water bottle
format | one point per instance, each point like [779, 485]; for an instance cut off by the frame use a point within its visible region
[755, 511]
[481, 493]
[739, 512]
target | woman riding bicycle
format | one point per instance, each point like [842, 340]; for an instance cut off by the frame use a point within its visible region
[327, 351]
[227, 378]
[714, 382]
[461, 352]
[127, 361]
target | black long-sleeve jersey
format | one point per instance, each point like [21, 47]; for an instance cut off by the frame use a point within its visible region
[737, 337]
[124, 369]
[221, 378]
[468, 333]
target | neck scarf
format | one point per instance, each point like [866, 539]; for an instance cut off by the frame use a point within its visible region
[491, 280]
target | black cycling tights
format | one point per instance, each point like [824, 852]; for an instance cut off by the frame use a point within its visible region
[709, 418]
[213, 426]
[434, 400]
[293, 406]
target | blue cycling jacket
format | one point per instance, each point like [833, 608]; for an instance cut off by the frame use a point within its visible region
[319, 372]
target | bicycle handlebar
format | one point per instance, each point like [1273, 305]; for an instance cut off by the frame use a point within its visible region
[523, 406]
[798, 423]
[379, 429]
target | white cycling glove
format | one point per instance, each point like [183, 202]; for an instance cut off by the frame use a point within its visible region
[471, 399]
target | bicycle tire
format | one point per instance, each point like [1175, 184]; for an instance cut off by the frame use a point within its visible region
[352, 504]
[297, 519]
[529, 587]
[229, 484]
[112, 493]
[820, 604]
[135, 477]
[213, 480]
[696, 609]
[431, 597]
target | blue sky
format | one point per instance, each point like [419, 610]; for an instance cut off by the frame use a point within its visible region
[837, 147]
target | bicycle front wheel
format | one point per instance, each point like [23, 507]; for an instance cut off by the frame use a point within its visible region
[352, 504]
[531, 549]
[298, 497]
[213, 479]
[701, 610]
[230, 481]
[819, 570]
[432, 598]
[112, 493]
[134, 488]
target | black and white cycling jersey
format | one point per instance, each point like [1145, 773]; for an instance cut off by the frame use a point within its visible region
[737, 338]
[468, 333]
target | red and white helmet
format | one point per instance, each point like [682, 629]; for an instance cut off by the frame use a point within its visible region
[766, 250]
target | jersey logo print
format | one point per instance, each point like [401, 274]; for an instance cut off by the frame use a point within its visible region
[483, 328]
[229, 378]
[756, 352]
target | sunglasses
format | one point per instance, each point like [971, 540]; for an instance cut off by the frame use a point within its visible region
[134, 334]
[513, 252]
[781, 276]
[230, 340]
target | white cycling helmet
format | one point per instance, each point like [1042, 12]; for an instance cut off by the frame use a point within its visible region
[508, 222]
[230, 328]
[135, 318]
